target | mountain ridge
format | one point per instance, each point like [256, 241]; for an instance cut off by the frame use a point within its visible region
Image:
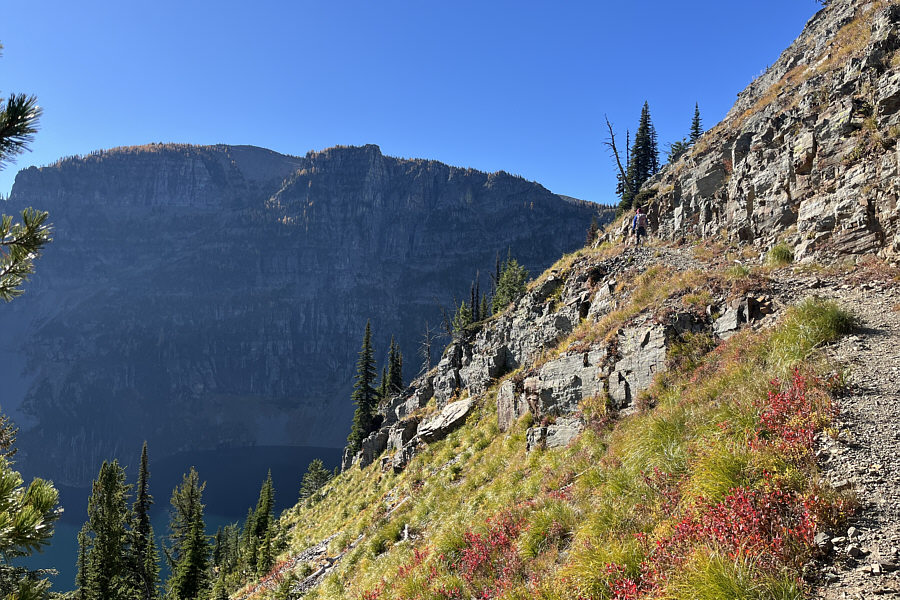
[232, 284]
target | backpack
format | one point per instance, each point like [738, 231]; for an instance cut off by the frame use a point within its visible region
[642, 220]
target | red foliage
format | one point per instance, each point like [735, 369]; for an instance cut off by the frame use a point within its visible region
[489, 562]
[790, 418]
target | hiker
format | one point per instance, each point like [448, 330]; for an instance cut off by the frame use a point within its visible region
[639, 226]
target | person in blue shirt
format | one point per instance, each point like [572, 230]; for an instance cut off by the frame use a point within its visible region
[639, 226]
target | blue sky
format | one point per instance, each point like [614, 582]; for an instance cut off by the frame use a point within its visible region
[520, 86]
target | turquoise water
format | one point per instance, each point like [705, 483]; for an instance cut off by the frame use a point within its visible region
[233, 478]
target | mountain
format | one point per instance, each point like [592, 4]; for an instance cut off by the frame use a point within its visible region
[809, 153]
[209, 296]
[662, 422]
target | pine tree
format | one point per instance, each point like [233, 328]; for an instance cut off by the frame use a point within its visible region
[189, 550]
[485, 310]
[696, 125]
[264, 515]
[315, 477]
[383, 391]
[20, 243]
[676, 149]
[186, 508]
[364, 395]
[395, 369]
[592, 232]
[462, 319]
[511, 284]
[190, 578]
[28, 514]
[108, 574]
[144, 558]
[643, 160]
[81, 564]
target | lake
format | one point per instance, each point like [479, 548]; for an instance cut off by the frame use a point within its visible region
[233, 478]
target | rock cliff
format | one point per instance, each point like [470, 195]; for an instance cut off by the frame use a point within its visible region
[216, 296]
[809, 153]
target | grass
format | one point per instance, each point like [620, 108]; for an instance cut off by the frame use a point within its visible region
[780, 255]
[488, 519]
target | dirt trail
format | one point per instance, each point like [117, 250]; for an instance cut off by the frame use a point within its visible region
[866, 456]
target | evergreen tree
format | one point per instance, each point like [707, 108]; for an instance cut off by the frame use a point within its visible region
[643, 160]
[696, 125]
[108, 574]
[190, 579]
[511, 284]
[20, 243]
[186, 509]
[315, 477]
[219, 591]
[263, 515]
[144, 558]
[461, 320]
[81, 575]
[383, 393]
[485, 310]
[189, 551]
[676, 149]
[395, 369]
[364, 395]
[592, 232]
[28, 515]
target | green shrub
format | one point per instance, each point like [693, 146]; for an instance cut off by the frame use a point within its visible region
[780, 255]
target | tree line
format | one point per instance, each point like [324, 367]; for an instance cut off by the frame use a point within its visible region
[118, 558]
[642, 156]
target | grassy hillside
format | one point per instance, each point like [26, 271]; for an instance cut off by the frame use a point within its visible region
[708, 488]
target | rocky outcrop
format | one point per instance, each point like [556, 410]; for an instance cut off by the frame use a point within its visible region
[199, 297]
[809, 153]
[552, 383]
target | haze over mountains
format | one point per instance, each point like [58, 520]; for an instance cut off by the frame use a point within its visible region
[215, 296]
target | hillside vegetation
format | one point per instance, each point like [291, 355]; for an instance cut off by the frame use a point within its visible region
[706, 487]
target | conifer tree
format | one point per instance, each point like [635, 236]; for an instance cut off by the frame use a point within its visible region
[462, 319]
[108, 574]
[395, 369]
[144, 558]
[20, 243]
[643, 159]
[315, 477]
[485, 310]
[364, 395]
[383, 392]
[81, 564]
[186, 509]
[696, 125]
[190, 579]
[592, 232]
[188, 553]
[511, 284]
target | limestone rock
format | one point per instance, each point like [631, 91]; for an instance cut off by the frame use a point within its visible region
[557, 435]
[447, 420]
[643, 354]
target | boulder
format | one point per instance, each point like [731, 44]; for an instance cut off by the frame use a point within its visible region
[450, 417]
[401, 432]
[511, 405]
[556, 435]
[372, 446]
[643, 354]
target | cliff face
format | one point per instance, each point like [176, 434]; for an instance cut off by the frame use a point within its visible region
[809, 152]
[208, 296]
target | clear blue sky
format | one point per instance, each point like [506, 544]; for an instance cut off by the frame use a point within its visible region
[520, 86]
